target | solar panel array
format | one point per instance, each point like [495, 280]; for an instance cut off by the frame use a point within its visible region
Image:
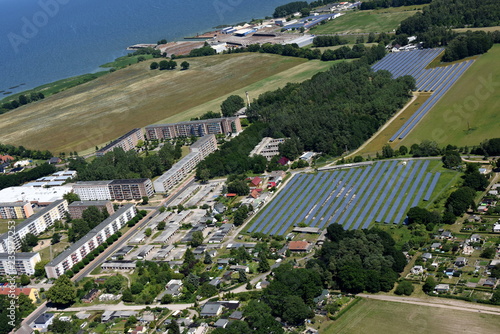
[436, 80]
[355, 197]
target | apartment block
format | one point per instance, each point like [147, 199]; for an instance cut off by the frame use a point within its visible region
[76, 208]
[131, 189]
[199, 150]
[36, 224]
[93, 190]
[268, 147]
[194, 128]
[15, 210]
[127, 142]
[18, 263]
[77, 251]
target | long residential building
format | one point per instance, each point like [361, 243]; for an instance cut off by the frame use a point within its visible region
[16, 210]
[77, 251]
[76, 208]
[199, 150]
[18, 263]
[127, 142]
[36, 224]
[268, 147]
[198, 128]
[129, 189]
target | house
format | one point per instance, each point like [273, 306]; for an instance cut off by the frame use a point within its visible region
[216, 281]
[223, 262]
[482, 209]
[54, 161]
[435, 246]
[324, 295]
[202, 329]
[30, 292]
[299, 246]
[221, 323]
[174, 287]
[449, 271]
[6, 159]
[493, 192]
[417, 270]
[262, 285]
[43, 321]
[90, 296]
[236, 315]
[493, 263]
[137, 330]
[490, 282]
[254, 193]
[475, 238]
[461, 261]
[283, 161]
[238, 267]
[446, 235]
[483, 171]
[211, 310]
[496, 227]
[256, 181]
[307, 156]
[426, 256]
[219, 208]
[442, 288]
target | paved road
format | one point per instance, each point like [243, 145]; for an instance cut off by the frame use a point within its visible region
[451, 304]
[122, 307]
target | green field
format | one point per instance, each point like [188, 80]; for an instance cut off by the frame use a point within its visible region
[374, 317]
[468, 113]
[96, 112]
[366, 21]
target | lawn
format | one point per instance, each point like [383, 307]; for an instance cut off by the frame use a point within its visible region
[366, 21]
[101, 110]
[374, 316]
[468, 113]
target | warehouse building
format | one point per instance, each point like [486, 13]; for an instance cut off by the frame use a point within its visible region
[36, 224]
[76, 252]
[199, 150]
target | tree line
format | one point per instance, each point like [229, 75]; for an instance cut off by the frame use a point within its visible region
[17, 179]
[22, 152]
[119, 164]
[376, 4]
[468, 44]
[20, 101]
[289, 8]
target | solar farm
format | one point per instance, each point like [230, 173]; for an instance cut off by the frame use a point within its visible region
[354, 197]
[436, 80]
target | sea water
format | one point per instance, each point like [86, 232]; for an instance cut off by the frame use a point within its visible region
[42, 41]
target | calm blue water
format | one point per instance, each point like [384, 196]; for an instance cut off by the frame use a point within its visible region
[46, 40]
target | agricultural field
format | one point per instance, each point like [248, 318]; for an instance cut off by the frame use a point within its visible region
[366, 21]
[376, 316]
[101, 110]
[354, 197]
[468, 113]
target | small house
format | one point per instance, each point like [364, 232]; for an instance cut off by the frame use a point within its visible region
[490, 282]
[475, 238]
[256, 181]
[446, 235]
[236, 315]
[54, 161]
[496, 227]
[90, 296]
[442, 288]
[435, 246]
[221, 323]
[461, 261]
[426, 256]
[299, 246]
[417, 270]
[211, 310]
[43, 321]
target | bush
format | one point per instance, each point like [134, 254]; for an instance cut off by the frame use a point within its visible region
[404, 288]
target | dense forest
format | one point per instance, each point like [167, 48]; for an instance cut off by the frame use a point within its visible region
[375, 4]
[356, 261]
[489, 147]
[119, 164]
[433, 24]
[17, 179]
[290, 8]
[339, 108]
[468, 44]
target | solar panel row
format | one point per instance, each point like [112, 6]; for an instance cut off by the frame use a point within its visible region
[435, 180]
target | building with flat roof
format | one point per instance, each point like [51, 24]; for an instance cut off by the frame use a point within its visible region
[268, 147]
[77, 251]
[93, 190]
[18, 263]
[198, 128]
[127, 189]
[131, 189]
[127, 142]
[34, 195]
[36, 224]
[76, 208]
[199, 150]
[15, 210]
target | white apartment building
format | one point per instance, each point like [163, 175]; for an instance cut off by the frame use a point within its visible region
[268, 147]
[93, 190]
[76, 252]
[36, 224]
[199, 150]
[18, 263]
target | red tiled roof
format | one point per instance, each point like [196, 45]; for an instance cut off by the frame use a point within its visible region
[17, 291]
[256, 180]
[298, 245]
[254, 193]
[231, 195]
[283, 161]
